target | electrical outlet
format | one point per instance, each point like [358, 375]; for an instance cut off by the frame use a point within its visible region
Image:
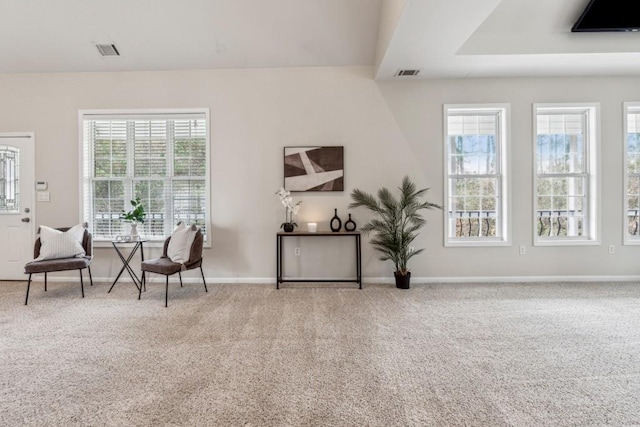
[296, 251]
[523, 249]
[612, 249]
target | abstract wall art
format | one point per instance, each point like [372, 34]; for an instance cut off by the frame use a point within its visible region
[314, 168]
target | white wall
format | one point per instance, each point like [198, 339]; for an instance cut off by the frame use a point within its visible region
[388, 129]
[254, 114]
[417, 107]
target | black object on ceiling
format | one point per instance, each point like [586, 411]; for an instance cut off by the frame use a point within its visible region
[609, 15]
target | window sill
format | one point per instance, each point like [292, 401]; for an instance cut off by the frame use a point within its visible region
[99, 244]
[476, 243]
[566, 242]
[108, 243]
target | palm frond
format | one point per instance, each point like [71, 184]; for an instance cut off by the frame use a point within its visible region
[389, 202]
[361, 198]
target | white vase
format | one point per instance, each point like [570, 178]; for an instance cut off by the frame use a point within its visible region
[134, 231]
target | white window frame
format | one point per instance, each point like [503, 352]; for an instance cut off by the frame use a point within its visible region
[627, 108]
[591, 225]
[503, 172]
[131, 114]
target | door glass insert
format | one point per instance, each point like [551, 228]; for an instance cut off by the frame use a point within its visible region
[9, 179]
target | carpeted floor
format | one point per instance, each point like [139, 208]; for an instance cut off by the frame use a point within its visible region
[248, 355]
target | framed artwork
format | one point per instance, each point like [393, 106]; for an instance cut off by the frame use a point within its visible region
[314, 168]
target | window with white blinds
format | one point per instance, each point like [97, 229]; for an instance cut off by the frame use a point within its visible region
[476, 204]
[161, 157]
[565, 174]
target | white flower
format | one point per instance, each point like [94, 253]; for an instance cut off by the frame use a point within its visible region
[283, 193]
[287, 201]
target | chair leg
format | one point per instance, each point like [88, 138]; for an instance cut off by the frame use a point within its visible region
[81, 282]
[180, 275]
[203, 281]
[90, 278]
[45, 281]
[141, 285]
[166, 294]
[28, 286]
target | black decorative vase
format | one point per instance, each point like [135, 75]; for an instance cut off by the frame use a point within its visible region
[350, 225]
[288, 227]
[336, 223]
[402, 280]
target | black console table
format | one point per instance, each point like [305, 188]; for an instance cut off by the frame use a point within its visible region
[356, 235]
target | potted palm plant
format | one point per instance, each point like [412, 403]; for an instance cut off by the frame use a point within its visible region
[396, 224]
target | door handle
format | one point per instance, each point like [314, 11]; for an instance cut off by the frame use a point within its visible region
[25, 219]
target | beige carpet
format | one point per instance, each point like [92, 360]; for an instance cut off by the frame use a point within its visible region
[249, 355]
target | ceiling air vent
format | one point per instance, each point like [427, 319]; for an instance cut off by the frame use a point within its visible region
[108, 49]
[407, 73]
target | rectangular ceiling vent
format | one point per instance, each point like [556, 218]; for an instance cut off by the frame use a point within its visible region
[108, 49]
[407, 73]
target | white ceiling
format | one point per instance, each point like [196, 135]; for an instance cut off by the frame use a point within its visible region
[501, 38]
[60, 35]
[442, 38]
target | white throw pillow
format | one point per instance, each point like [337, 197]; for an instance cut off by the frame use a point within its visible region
[180, 244]
[77, 232]
[59, 244]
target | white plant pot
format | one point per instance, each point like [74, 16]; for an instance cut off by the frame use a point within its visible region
[134, 231]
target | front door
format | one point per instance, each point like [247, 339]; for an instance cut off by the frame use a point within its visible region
[16, 204]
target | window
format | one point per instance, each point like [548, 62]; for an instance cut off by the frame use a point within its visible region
[632, 173]
[9, 164]
[476, 175]
[161, 157]
[565, 209]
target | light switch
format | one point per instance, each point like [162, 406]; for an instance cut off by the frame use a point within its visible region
[43, 196]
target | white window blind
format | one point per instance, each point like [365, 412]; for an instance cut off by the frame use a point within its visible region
[485, 124]
[633, 120]
[161, 158]
[559, 123]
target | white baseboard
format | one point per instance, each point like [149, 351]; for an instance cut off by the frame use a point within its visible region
[157, 278]
[372, 280]
[528, 279]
